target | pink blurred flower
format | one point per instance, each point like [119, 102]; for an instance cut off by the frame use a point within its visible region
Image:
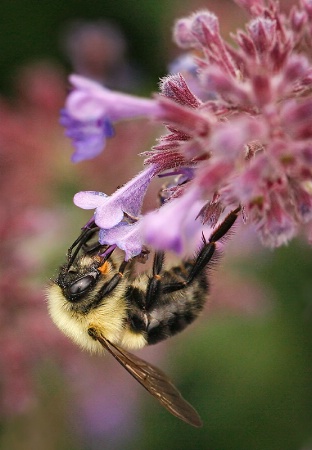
[27, 335]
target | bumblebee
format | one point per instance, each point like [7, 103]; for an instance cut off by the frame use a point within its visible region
[99, 302]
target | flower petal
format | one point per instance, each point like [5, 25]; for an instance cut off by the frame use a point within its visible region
[85, 106]
[127, 199]
[175, 226]
[88, 137]
[128, 237]
[108, 214]
[89, 199]
[91, 101]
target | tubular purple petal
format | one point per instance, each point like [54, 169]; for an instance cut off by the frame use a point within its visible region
[88, 137]
[89, 199]
[127, 237]
[175, 226]
[110, 210]
[91, 101]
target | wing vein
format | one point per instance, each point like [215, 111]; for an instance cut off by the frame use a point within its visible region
[154, 381]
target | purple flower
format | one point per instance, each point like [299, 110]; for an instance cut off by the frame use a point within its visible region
[88, 137]
[90, 111]
[176, 225]
[111, 210]
[91, 101]
[128, 237]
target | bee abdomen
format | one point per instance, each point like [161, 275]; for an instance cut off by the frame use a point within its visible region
[171, 313]
[160, 330]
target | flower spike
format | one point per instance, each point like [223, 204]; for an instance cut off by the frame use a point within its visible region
[241, 124]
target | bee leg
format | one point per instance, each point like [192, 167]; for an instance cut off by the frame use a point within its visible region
[205, 254]
[91, 248]
[225, 226]
[207, 251]
[154, 285]
[111, 285]
[81, 241]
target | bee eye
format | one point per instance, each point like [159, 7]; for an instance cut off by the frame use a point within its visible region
[79, 287]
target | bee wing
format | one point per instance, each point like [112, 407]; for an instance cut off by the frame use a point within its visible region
[155, 382]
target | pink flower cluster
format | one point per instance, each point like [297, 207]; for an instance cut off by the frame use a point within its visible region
[247, 140]
[27, 335]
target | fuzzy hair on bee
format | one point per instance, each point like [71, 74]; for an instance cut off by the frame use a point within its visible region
[100, 302]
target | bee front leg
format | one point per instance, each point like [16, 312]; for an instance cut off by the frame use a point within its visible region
[112, 284]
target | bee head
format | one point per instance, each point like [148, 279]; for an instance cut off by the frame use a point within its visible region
[82, 280]
[79, 297]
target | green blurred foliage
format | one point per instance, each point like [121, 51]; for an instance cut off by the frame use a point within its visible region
[32, 30]
[46, 426]
[249, 377]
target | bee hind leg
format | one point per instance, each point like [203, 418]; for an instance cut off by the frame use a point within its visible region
[154, 288]
[205, 254]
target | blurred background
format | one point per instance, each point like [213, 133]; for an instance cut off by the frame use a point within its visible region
[246, 365]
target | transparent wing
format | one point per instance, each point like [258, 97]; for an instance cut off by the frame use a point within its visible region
[155, 382]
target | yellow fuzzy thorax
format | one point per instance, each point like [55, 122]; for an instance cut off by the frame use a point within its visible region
[108, 319]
